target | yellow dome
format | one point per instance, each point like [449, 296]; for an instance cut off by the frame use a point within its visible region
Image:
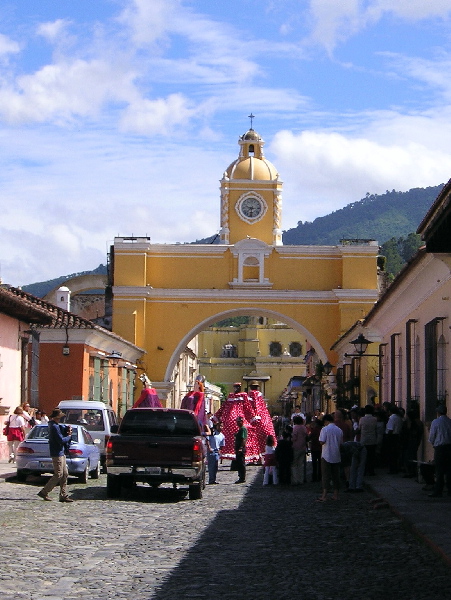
[251, 168]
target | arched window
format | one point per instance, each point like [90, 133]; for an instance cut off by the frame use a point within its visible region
[275, 349]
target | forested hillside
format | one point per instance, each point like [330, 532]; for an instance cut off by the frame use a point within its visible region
[379, 217]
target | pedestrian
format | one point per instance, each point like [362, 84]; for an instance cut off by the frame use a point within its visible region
[315, 448]
[240, 449]
[59, 437]
[341, 420]
[368, 437]
[16, 432]
[331, 439]
[299, 442]
[440, 438]
[358, 455]
[284, 456]
[270, 462]
[393, 439]
[414, 430]
[215, 441]
[28, 415]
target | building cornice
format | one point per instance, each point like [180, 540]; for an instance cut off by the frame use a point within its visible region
[243, 295]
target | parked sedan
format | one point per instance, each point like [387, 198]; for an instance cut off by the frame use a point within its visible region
[33, 454]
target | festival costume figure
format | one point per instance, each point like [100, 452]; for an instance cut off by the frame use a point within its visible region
[149, 397]
[239, 405]
[262, 422]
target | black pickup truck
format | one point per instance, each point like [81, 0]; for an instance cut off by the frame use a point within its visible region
[156, 446]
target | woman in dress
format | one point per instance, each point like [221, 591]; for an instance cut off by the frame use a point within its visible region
[16, 433]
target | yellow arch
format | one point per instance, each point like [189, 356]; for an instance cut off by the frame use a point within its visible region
[243, 312]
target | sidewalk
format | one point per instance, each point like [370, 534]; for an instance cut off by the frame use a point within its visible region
[426, 517]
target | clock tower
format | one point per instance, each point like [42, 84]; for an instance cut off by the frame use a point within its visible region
[251, 196]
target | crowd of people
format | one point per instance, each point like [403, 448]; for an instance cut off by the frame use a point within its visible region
[344, 447]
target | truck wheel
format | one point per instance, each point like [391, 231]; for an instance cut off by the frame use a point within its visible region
[195, 491]
[113, 486]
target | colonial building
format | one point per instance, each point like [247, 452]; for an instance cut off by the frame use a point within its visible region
[49, 354]
[164, 295]
[261, 349]
[409, 328]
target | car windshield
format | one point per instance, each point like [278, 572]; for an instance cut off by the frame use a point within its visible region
[159, 423]
[91, 419]
[41, 432]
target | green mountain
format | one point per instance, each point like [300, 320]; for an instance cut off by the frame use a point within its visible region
[42, 288]
[378, 217]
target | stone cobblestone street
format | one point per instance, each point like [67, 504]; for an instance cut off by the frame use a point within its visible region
[239, 541]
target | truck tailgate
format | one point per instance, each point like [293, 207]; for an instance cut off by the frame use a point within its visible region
[148, 451]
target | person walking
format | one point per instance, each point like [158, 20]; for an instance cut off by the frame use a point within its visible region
[240, 449]
[299, 441]
[331, 439]
[215, 441]
[59, 437]
[16, 432]
[440, 438]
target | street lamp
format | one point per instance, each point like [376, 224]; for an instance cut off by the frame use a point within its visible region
[360, 344]
[114, 357]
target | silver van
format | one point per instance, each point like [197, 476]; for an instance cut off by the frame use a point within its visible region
[96, 417]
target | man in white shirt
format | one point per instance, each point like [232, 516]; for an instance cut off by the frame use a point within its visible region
[331, 439]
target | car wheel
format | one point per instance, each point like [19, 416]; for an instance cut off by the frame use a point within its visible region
[21, 475]
[95, 472]
[113, 486]
[195, 492]
[83, 477]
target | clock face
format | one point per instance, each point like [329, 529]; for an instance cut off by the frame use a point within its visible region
[251, 207]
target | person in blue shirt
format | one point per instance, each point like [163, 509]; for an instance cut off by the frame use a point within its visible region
[215, 441]
[59, 439]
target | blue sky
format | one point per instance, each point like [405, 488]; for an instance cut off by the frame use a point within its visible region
[119, 117]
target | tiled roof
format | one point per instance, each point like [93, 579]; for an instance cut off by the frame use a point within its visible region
[26, 307]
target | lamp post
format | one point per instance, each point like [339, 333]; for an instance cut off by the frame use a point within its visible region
[361, 344]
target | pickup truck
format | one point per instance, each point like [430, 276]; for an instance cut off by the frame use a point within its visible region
[155, 446]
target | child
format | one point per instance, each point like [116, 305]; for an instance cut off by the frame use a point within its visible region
[284, 456]
[270, 461]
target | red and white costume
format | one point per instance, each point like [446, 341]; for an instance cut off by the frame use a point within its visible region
[262, 424]
[239, 405]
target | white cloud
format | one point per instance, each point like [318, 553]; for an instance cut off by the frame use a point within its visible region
[159, 116]
[63, 90]
[333, 22]
[8, 46]
[326, 170]
[53, 30]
